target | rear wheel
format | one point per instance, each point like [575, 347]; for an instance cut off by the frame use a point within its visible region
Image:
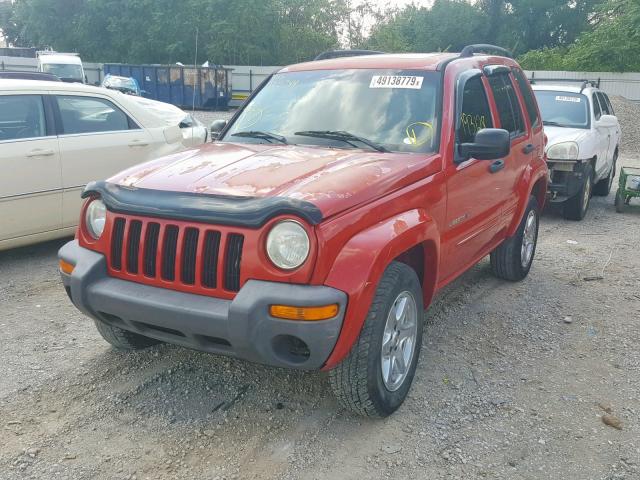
[603, 187]
[374, 379]
[512, 260]
[576, 207]
[122, 339]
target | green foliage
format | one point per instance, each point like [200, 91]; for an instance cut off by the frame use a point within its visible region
[448, 25]
[164, 31]
[612, 45]
[547, 34]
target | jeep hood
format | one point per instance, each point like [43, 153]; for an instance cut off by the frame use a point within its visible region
[332, 179]
[564, 134]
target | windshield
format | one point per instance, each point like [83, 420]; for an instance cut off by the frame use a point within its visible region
[120, 83]
[62, 70]
[563, 109]
[395, 110]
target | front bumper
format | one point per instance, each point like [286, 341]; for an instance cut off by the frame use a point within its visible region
[567, 178]
[241, 327]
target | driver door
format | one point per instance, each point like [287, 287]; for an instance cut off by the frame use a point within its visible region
[476, 189]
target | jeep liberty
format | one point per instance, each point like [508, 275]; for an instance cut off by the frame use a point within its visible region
[318, 227]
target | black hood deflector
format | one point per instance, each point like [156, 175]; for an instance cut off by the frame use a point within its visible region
[250, 212]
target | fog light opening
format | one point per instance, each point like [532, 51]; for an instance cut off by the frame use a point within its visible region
[290, 349]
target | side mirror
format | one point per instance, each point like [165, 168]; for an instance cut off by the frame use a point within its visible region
[488, 144]
[608, 121]
[216, 127]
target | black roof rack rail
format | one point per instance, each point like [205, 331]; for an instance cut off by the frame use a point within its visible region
[469, 50]
[345, 53]
[585, 83]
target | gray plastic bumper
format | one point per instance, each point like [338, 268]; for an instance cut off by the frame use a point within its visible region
[241, 327]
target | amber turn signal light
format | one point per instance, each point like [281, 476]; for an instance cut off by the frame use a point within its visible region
[66, 267]
[289, 312]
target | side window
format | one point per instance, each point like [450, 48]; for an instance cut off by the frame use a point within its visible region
[527, 95]
[597, 112]
[476, 113]
[606, 99]
[603, 104]
[91, 115]
[507, 103]
[21, 116]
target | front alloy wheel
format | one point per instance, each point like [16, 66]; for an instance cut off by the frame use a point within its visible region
[399, 341]
[375, 378]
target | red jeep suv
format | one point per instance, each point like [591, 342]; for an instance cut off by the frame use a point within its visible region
[318, 227]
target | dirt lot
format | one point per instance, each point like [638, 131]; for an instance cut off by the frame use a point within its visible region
[511, 383]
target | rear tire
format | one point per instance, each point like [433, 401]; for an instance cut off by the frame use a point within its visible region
[123, 339]
[603, 187]
[576, 207]
[368, 382]
[512, 260]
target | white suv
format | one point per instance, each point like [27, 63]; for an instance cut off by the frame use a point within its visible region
[584, 139]
[56, 137]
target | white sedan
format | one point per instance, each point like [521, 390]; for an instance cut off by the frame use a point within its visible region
[583, 143]
[56, 137]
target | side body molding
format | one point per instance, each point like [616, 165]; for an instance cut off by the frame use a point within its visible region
[362, 261]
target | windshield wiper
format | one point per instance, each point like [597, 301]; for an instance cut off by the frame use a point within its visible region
[343, 136]
[552, 124]
[268, 136]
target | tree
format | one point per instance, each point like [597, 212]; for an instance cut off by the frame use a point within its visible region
[611, 45]
[448, 25]
[164, 31]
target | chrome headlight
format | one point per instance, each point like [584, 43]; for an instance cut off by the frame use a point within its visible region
[288, 245]
[563, 151]
[95, 218]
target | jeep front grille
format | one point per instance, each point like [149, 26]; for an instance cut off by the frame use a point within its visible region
[200, 258]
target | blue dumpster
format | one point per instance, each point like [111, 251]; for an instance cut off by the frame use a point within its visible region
[207, 88]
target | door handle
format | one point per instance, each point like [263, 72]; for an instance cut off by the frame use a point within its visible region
[39, 152]
[138, 143]
[528, 149]
[496, 166]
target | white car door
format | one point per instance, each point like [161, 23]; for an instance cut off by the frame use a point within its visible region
[603, 139]
[97, 140]
[30, 170]
[614, 131]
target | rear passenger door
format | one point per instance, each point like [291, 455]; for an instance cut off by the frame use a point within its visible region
[30, 172]
[511, 118]
[97, 140]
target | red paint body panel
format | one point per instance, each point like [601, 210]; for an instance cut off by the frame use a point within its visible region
[375, 206]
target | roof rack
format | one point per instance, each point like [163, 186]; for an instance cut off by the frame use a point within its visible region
[585, 83]
[469, 50]
[345, 53]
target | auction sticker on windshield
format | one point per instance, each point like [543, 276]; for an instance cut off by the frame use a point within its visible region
[396, 81]
[561, 98]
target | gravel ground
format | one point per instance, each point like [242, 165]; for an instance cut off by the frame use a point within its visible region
[514, 381]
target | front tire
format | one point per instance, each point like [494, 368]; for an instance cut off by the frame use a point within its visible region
[375, 378]
[512, 260]
[124, 340]
[576, 207]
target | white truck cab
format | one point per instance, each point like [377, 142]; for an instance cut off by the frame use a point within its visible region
[66, 66]
[583, 142]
